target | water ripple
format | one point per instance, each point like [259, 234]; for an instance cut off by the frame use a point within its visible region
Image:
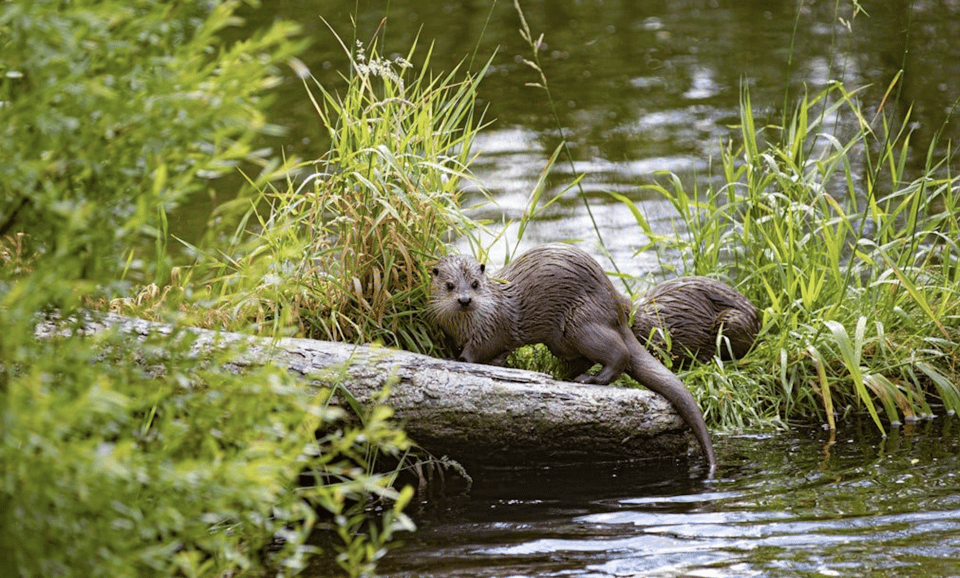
[784, 506]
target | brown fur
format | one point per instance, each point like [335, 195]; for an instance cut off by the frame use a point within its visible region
[698, 314]
[557, 295]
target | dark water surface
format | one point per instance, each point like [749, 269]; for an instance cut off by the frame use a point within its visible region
[792, 504]
[639, 86]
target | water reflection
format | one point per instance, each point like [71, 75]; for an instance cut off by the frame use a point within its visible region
[638, 86]
[786, 505]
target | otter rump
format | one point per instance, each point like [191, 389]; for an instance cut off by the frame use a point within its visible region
[699, 317]
[557, 295]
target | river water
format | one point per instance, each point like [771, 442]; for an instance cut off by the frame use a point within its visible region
[642, 86]
[798, 504]
[639, 86]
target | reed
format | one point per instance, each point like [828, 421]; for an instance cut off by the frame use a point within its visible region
[352, 241]
[853, 261]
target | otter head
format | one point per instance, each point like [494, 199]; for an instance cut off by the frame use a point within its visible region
[466, 305]
[457, 285]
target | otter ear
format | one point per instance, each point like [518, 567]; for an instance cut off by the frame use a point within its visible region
[483, 267]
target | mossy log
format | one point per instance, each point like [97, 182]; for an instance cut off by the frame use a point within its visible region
[476, 414]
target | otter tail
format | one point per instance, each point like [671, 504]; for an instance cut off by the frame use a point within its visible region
[655, 376]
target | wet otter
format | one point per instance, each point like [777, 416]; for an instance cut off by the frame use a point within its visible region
[557, 295]
[695, 311]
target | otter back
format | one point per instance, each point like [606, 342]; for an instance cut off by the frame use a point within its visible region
[698, 314]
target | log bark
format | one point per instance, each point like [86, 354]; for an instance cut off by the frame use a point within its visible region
[477, 414]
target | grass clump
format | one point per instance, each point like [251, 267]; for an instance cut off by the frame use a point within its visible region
[853, 262]
[351, 243]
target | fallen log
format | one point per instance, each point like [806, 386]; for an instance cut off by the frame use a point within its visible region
[475, 414]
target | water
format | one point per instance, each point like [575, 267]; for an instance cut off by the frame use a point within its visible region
[642, 86]
[794, 504]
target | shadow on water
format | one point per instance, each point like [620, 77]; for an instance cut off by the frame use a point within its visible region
[795, 504]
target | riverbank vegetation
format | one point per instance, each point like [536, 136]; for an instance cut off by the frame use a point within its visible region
[156, 463]
[126, 460]
[854, 262]
[343, 253]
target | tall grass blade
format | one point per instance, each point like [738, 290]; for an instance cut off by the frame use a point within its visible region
[851, 355]
[914, 292]
[825, 394]
[949, 393]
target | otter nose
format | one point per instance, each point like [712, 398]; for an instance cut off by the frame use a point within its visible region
[464, 300]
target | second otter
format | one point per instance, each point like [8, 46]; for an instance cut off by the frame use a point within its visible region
[698, 314]
[557, 295]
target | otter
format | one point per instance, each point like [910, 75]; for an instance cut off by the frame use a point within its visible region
[699, 314]
[558, 295]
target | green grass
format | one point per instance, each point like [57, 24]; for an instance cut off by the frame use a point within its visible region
[854, 263]
[858, 279]
[343, 254]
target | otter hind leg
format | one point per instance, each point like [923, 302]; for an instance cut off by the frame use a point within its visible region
[604, 345]
[577, 369]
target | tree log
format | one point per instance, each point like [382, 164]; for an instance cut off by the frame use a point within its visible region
[477, 414]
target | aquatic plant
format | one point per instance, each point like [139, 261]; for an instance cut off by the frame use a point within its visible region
[854, 263]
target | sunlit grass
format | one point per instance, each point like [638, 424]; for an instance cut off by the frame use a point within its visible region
[853, 263]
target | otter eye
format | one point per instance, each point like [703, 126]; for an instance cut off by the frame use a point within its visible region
[475, 284]
[436, 271]
[450, 286]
